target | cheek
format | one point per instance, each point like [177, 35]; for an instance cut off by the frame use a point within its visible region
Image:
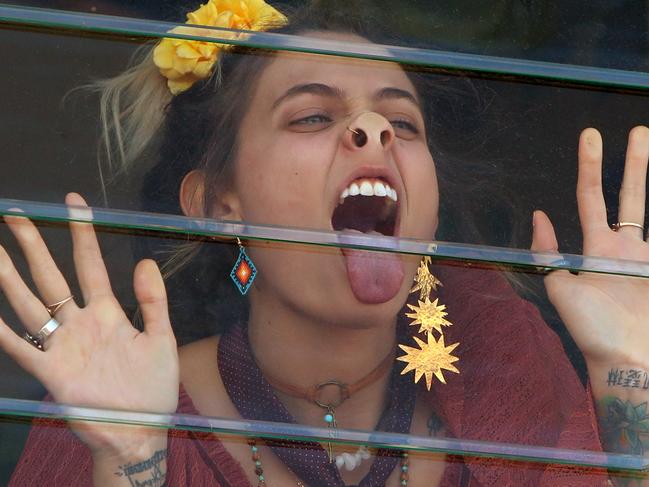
[281, 181]
[423, 195]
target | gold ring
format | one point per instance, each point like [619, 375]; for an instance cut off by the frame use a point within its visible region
[53, 308]
[618, 225]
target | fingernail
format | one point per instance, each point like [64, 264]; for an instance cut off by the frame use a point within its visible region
[14, 210]
[80, 214]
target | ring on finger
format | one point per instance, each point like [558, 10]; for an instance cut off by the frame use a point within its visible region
[53, 308]
[616, 226]
[39, 339]
[31, 339]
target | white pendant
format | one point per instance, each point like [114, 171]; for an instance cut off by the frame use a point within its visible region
[351, 461]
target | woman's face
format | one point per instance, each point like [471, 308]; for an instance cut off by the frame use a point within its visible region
[318, 130]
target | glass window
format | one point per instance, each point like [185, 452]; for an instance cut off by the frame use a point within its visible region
[374, 265]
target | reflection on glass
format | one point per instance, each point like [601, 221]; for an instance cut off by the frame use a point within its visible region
[543, 71]
[352, 348]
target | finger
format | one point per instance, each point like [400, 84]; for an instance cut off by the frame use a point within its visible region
[49, 281]
[29, 308]
[590, 199]
[543, 236]
[633, 191]
[91, 270]
[26, 355]
[152, 297]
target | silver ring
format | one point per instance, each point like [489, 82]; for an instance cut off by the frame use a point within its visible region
[32, 340]
[618, 225]
[47, 329]
[39, 339]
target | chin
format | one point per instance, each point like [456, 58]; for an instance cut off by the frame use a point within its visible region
[361, 316]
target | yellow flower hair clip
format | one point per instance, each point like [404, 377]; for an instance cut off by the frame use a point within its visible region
[183, 62]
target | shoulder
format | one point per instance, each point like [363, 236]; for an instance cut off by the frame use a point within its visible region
[200, 378]
[198, 365]
[197, 355]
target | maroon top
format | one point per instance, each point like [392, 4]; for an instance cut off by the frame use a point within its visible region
[516, 386]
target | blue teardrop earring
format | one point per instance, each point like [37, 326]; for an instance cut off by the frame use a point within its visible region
[244, 271]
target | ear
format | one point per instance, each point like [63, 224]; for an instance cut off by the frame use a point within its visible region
[192, 199]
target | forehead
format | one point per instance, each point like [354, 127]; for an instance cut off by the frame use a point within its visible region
[355, 77]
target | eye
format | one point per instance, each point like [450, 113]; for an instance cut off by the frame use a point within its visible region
[404, 128]
[311, 123]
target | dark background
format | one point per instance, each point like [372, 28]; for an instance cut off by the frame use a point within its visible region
[528, 132]
[606, 33]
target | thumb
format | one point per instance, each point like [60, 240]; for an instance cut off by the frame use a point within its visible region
[543, 236]
[152, 297]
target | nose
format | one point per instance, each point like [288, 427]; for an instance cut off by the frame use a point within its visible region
[369, 129]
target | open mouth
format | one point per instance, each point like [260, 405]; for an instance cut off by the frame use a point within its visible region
[368, 205]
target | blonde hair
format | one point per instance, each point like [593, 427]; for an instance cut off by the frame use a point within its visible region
[131, 110]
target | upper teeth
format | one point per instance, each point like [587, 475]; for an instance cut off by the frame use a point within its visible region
[369, 187]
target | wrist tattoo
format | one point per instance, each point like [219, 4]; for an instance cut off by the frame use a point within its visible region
[629, 378]
[147, 473]
[624, 428]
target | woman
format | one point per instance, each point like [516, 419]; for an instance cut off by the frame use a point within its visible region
[282, 140]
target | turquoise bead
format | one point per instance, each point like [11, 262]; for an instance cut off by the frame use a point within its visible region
[404, 482]
[254, 448]
[404, 468]
[329, 418]
[258, 463]
[261, 477]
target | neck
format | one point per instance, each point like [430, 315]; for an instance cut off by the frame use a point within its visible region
[304, 352]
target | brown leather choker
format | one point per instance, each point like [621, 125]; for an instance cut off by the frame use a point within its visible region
[312, 394]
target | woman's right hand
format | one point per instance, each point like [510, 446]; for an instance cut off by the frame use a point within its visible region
[96, 357]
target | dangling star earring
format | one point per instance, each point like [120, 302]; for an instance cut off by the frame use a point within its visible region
[244, 271]
[432, 355]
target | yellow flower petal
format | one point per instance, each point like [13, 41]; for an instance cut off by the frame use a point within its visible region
[203, 15]
[163, 55]
[207, 49]
[187, 51]
[184, 66]
[224, 19]
[203, 69]
[180, 85]
[171, 74]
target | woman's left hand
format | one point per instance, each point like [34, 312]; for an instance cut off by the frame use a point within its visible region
[608, 316]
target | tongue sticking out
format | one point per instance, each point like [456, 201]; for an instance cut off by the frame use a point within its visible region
[375, 277]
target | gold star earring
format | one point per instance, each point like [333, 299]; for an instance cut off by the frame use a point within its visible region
[433, 355]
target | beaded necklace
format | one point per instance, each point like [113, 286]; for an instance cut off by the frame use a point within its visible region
[255, 399]
[259, 469]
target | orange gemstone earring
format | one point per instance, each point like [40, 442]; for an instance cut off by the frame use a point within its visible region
[244, 271]
[432, 355]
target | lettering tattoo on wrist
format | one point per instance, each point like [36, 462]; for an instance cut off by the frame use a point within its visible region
[624, 427]
[147, 473]
[628, 378]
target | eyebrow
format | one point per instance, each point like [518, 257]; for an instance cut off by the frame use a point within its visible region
[396, 93]
[310, 88]
[320, 89]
